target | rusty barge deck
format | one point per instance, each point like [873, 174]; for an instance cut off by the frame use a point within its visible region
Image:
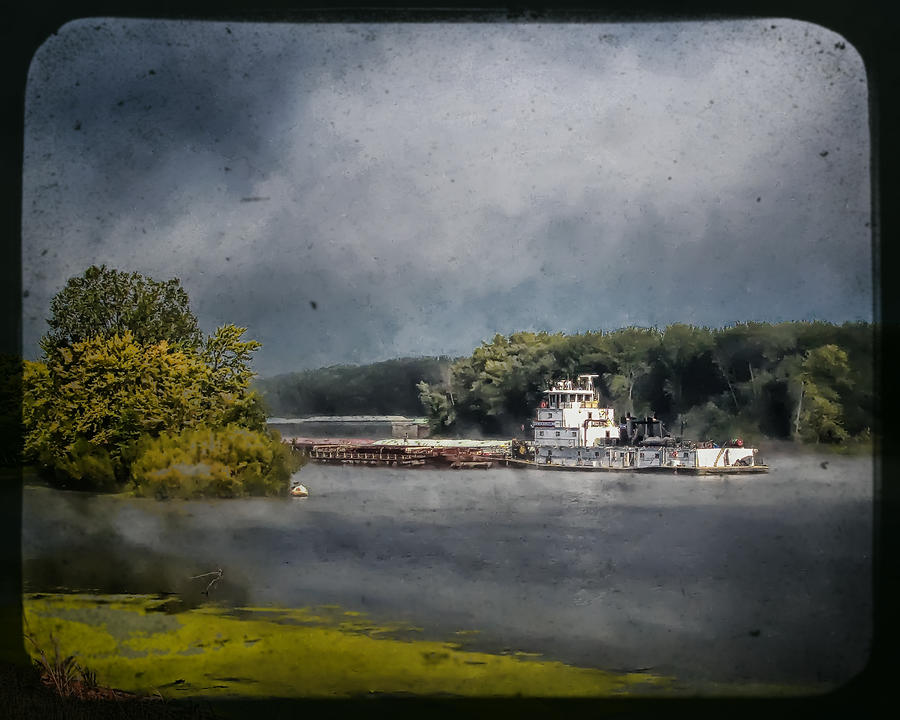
[456, 455]
[465, 455]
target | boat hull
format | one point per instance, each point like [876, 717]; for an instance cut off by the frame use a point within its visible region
[736, 470]
[466, 455]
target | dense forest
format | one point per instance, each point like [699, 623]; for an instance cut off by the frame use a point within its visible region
[383, 388]
[806, 381]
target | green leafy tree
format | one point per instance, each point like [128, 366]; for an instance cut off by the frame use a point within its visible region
[815, 379]
[745, 351]
[685, 358]
[227, 397]
[107, 392]
[499, 385]
[439, 408]
[106, 302]
[754, 360]
[37, 406]
[824, 372]
[632, 349]
[858, 396]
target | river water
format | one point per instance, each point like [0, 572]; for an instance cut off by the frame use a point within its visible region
[762, 578]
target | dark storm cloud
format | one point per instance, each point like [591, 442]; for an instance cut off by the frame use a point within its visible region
[178, 87]
[429, 186]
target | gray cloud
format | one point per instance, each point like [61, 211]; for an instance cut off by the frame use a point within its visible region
[431, 185]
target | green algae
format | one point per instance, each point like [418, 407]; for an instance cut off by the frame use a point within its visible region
[215, 651]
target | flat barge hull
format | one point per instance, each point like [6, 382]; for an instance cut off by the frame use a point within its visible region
[456, 455]
[737, 470]
[465, 456]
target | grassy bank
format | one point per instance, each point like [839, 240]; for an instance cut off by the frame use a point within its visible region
[136, 643]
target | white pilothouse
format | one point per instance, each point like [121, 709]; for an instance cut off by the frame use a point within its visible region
[573, 430]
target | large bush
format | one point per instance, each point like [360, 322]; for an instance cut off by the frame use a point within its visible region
[220, 462]
[98, 396]
[106, 392]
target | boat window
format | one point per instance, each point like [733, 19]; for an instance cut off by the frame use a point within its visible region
[542, 433]
[557, 433]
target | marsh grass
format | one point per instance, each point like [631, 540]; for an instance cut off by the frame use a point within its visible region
[68, 678]
[62, 673]
[217, 652]
[156, 649]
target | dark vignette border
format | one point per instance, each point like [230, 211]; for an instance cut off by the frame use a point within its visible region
[869, 25]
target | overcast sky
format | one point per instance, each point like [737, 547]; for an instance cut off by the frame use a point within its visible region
[429, 185]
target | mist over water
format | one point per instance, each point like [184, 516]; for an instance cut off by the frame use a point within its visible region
[763, 578]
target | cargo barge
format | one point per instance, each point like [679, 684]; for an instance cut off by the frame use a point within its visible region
[396, 452]
[572, 431]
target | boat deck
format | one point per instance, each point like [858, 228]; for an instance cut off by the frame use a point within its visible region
[673, 470]
[467, 454]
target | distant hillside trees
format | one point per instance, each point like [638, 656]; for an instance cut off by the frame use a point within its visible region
[124, 366]
[808, 381]
[382, 388]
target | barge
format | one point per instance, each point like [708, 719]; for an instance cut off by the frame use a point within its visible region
[572, 431]
[396, 452]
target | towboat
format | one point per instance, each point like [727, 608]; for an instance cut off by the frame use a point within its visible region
[573, 431]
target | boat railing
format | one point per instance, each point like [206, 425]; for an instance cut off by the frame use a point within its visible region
[590, 405]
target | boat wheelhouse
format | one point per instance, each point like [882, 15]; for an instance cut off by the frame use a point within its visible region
[570, 416]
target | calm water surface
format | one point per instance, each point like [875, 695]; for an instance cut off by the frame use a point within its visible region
[759, 578]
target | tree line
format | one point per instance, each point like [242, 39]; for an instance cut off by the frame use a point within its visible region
[129, 393]
[806, 381]
[382, 388]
